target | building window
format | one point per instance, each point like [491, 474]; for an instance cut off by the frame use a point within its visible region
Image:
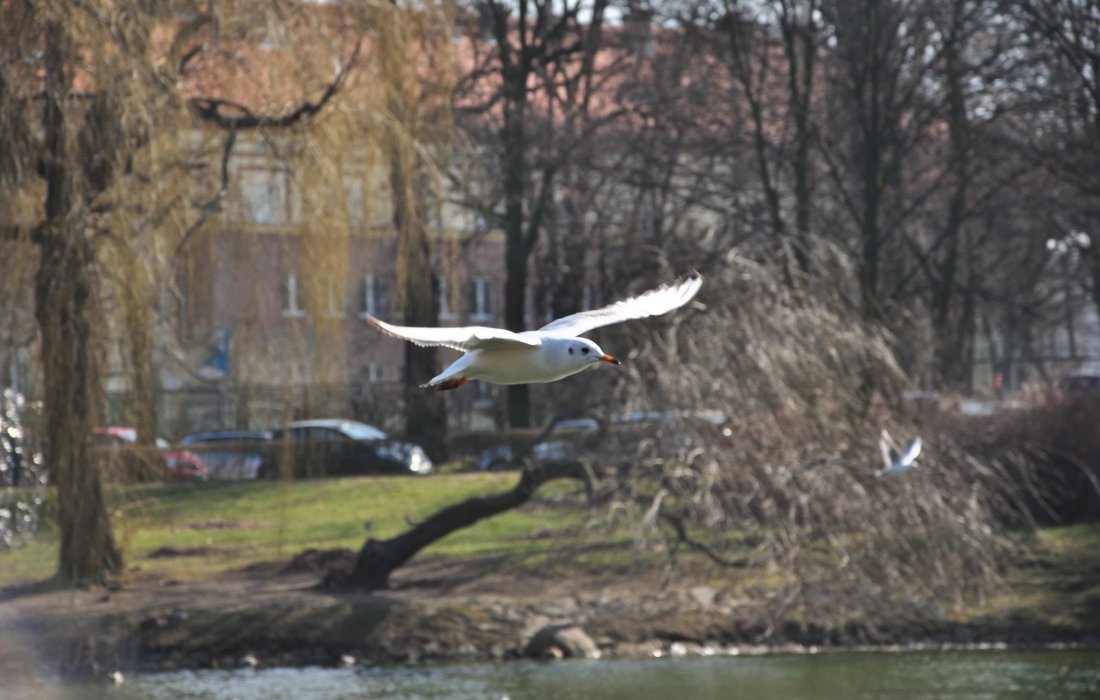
[335, 306]
[446, 305]
[353, 192]
[292, 297]
[265, 196]
[481, 299]
[374, 296]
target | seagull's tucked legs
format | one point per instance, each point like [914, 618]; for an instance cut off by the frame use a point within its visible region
[553, 352]
[446, 384]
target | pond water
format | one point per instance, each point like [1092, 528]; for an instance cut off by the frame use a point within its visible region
[948, 675]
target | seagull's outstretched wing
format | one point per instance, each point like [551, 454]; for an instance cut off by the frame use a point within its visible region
[890, 452]
[464, 338]
[652, 303]
[911, 452]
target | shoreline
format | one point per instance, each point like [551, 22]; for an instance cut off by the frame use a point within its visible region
[287, 621]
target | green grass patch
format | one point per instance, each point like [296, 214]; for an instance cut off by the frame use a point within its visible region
[242, 523]
[1057, 581]
[227, 526]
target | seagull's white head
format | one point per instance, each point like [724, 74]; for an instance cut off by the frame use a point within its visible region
[583, 352]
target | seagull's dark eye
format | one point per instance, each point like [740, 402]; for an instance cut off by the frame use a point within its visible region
[584, 350]
[570, 351]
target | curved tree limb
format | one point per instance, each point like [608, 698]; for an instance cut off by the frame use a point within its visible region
[210, 205]
[378, 559]
[228, 114]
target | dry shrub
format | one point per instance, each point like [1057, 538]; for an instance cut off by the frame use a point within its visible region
[1042, 463]
[788, 485]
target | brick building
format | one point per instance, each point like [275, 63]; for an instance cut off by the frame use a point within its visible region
[272, 321]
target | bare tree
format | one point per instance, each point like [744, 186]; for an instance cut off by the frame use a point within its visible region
[406, 40]
[541, 50]
[1064, 39]
[779, 99]
[96, 121]
[875, 87]
[81, 156]
[974, 86]
[64, 303]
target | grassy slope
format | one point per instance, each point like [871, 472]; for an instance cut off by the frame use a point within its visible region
[1058, 582]
[245, 523]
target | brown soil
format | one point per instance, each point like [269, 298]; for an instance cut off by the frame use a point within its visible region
[276, 614]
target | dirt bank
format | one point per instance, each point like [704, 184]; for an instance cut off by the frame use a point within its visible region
[276, 614]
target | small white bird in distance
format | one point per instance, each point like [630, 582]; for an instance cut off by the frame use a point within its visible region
[893, 458]
[553, 352]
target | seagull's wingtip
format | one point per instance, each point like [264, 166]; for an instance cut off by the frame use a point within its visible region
[689, 285]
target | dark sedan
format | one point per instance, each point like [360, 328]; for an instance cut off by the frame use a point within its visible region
[231, 454]
[338, 447]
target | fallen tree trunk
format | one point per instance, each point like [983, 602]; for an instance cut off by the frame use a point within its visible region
[378, 559]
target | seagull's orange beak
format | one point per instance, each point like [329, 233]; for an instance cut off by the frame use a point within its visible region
[610, 360]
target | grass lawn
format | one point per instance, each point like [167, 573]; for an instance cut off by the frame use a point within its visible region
[229, 525]
[242, 523]
[1058, 581]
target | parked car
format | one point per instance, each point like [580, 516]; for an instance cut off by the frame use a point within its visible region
[560, 445]
[339, 447]
[231, 454]
[176, 464]
[1081, 382]
[569, 436]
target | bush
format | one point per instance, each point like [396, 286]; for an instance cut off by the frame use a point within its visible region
[1046, 459]
[788, 482]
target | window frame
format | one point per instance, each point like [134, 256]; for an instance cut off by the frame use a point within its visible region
[276, 181]
[292, 306]
[482, 299]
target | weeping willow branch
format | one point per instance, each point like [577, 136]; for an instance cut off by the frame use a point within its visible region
[679, 526]
[211, 205]
[212, 109]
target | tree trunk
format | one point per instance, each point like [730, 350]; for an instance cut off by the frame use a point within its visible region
[515, 298]
[515, 68]
[950, 325]
[63, 307]
[516, 247]
[425, 411]
[139, 323]
[378, 559]
[418, 285]
[801, 46]
[64, 302]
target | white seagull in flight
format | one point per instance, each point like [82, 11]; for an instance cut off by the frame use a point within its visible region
[893, 459]
[551, 353]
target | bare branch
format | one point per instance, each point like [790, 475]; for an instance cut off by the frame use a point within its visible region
[211, 205]
[213, 110]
